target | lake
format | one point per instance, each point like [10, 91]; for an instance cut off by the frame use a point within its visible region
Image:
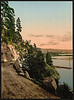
[66, 75]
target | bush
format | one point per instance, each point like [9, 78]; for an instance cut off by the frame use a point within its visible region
[37, 65]
[48, 59]
[50, 71]
[64, 91]
[5, 39]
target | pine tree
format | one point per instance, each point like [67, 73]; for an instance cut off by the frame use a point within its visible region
[18, 25]
[34, 45]
[10, 23]
[19, 29]
[4, 7]
[7, 20]
[48, 59]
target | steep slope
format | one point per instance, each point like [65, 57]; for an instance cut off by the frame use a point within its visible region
[14, 86]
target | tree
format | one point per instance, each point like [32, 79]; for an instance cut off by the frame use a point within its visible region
[48, 59]
[36, 65]
[7, 20]
[34, 45]
[30, 49]
[4, 7]
[19, 29]
[27, 44]
[10, 23]
[18, 25]
[35, 48]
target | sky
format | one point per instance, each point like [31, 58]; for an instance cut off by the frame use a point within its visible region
[46, 23]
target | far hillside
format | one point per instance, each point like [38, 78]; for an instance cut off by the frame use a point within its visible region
[65, 51]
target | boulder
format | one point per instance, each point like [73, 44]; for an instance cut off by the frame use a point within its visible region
[16, 65]
[22, 74]
[27, 74]
[50, 83]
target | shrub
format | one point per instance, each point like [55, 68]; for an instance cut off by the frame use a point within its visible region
[37, 65]
[5, 39]
[64, 91]
[48, 59]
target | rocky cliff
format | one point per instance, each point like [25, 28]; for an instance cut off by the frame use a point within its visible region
[14, 86]
[8, 53]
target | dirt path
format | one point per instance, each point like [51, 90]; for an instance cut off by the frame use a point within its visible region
[14, 86]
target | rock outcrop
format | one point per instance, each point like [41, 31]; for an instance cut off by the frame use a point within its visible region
[50, 83]
[17, 67]
[8, 53]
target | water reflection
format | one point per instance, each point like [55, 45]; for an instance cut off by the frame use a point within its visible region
[64, 61]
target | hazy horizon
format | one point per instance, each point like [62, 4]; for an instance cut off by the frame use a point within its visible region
[56, 49]
[48, 24]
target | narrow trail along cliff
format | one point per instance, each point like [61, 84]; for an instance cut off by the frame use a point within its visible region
[14, 86]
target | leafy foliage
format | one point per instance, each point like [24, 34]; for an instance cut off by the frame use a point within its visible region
[8, 33]
[48, 59]
[36, 65]
[50, 71]
[7, 20]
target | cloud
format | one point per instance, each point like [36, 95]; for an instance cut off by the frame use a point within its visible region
[32, 35]
[42, 44]
[61, 37]
[68, 32]
[49, 36]
[38, 35]
[53, 43]
[49, 43]
[66, 37]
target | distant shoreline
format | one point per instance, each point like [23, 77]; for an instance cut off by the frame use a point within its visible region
[63, 67]
[66, 51]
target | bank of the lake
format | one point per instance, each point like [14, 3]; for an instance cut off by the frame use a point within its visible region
[66, 75]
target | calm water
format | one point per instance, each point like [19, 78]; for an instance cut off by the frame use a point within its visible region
[66, 74]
